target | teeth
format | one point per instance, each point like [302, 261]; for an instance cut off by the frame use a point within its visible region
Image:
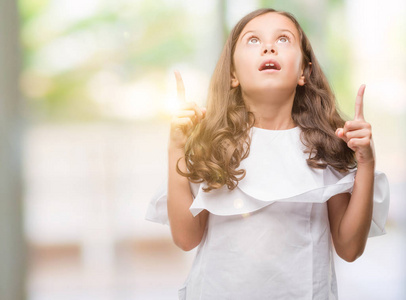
[269, 65]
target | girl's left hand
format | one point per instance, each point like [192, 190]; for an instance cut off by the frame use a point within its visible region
[358, 133]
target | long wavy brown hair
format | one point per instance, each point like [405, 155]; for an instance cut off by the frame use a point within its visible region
[221, 141]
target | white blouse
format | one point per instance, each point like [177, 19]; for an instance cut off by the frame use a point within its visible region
[269, 238]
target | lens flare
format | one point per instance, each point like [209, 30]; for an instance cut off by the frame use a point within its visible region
[171, 104]
[238, 203]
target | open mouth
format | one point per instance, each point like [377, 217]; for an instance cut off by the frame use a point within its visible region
[269, 65]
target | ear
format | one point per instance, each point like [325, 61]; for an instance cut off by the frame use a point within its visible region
[302, 80]
[234, 81]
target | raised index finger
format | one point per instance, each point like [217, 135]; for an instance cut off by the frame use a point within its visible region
[359, 104]
[180, 87]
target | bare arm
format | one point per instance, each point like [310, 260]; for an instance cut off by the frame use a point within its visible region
[187, 231]
[351, 215]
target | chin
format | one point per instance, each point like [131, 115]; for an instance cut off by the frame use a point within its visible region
[272, 88]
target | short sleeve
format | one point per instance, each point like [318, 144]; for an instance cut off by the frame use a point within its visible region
[157, 210]
[158, 207]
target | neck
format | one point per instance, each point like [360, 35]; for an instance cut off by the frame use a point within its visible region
[271, 110]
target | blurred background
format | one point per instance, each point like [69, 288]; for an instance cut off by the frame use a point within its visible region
[86, 91]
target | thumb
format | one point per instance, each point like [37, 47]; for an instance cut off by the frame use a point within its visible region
[340, 133]
[204, 111]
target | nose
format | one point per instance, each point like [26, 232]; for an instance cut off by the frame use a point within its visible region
[269, 48]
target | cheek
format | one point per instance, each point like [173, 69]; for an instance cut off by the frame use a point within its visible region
[299, 58]
[299, 61]
[241, 65]
[295, 63]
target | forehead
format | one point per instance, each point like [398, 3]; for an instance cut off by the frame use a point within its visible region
[270, 21]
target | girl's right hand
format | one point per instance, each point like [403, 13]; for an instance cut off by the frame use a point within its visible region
[185, 119]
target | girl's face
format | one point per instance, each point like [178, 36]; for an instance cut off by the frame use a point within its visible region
[268, 39]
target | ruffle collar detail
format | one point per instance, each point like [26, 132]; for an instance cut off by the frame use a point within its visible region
[276, 170]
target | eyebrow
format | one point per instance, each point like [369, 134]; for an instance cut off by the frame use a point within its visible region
[278, 29]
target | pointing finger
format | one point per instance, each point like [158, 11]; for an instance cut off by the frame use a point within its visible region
[180, 87]
[359, 104]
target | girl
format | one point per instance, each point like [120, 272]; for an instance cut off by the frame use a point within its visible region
[264, 182]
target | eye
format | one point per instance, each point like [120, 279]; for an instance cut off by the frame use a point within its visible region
[253, 40]
[284, 39]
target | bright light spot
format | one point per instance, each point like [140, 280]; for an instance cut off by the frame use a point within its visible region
[246, 215]
[171, 104]
[238, 203]
[196, 84]
[138, 100]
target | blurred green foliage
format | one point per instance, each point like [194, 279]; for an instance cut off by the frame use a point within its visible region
[132, 40]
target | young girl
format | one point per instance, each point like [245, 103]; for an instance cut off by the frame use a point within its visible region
[265, 181]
